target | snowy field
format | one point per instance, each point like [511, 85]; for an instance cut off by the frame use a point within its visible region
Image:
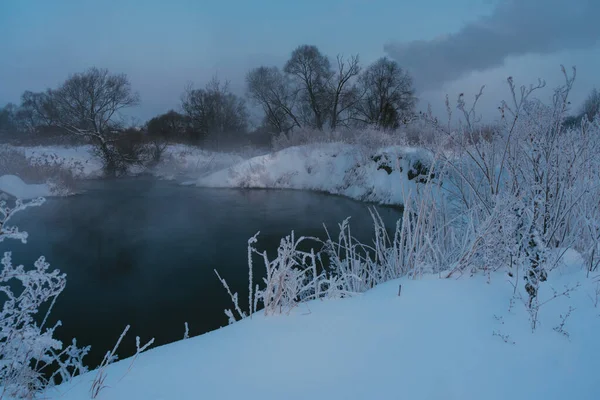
[384, 176]
[440, 339]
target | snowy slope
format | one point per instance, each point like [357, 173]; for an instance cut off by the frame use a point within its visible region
[435, 341]
[335, 168]
[14, 186]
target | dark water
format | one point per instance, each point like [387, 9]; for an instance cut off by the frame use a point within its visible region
[142, 252]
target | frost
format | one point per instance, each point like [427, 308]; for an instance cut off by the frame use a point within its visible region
[513, 197]
[27, 347]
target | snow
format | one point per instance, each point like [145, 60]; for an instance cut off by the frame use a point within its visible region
[435, 341]
[79, 159]
[343, 169]
[14, 186]
[353, 171]
[187, 162]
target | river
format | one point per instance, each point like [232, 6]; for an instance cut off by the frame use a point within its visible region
[142, 251]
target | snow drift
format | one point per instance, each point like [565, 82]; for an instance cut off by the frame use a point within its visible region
[384, 176]
[440, 339]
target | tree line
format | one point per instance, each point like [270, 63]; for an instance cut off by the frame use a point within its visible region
[310, 92]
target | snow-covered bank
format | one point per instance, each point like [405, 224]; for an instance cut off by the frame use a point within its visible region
[382, 176]
[441, 339]
[186, 162]
[14, 186]
[80, 160]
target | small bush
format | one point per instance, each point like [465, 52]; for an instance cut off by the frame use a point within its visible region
[31, 359]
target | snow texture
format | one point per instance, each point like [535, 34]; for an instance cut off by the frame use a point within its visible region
[440, 339]
[382, 176]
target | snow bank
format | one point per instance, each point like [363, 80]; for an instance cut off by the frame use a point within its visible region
[435, 341]
[383, 176]
[14, 186]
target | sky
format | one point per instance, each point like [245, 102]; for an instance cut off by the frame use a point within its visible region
[449, 47]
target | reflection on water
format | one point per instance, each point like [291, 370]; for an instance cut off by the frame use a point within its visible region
[142, 252]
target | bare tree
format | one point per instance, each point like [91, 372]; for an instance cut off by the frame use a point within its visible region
[342, 96]
[8, 120]
[163, 129]
[37, 110]
[269, 88]
[214, 111]
[591, 106]
[312, 71]
[88, 104]
[387, 95]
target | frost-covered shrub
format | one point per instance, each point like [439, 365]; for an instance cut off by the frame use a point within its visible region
[342, 266]
[513, 195]
[291, 277]
[30, 358]
[527, 186]
[98, 384]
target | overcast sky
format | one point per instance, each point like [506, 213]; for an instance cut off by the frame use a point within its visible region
[449, 46]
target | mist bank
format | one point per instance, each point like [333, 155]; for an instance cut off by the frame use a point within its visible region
[59, 167]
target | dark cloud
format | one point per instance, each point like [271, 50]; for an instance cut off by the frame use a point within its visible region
[514, 28]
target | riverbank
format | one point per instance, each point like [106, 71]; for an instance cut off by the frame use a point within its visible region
[55, 169]
[383, 176]
[440, 339]
[428, 338]
[177, 160]
[142, 251]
